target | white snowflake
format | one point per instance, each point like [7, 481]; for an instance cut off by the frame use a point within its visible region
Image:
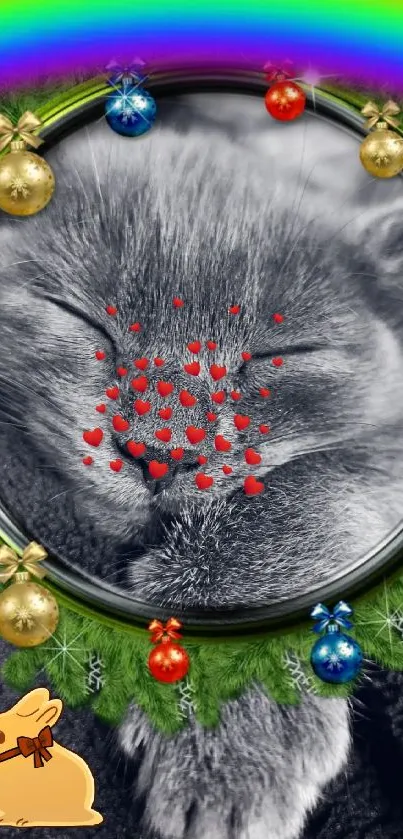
[19, 187]
[95, 678]
[187, 704]
[334, 662]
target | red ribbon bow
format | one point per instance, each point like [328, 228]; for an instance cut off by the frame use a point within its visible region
[280, 73]
[159, 631]
[38, 747]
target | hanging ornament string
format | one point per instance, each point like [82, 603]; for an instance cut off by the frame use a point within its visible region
[381, 153]
[29, 613]
[26, 180]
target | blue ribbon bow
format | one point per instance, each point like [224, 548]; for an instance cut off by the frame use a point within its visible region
[321, 614]
[132, 71]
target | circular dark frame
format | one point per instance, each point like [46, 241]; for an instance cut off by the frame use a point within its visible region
[366, 572]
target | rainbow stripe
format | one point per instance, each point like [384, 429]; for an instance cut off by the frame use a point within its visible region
[358, 40]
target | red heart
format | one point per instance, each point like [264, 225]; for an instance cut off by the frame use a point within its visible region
[159, 362]
[195, 435]
[202, 459]
[119, 423]
[112, 392]
[141, 407]
[87, 460]
[265, 391]
[193, 368]
[241, 421]
[221, 444]
[264, 429]
[100, 355]
[252, 486]
[101, 408]
[203, 481]
[234, 310]
[212, 345]
[246, 356]
[164, 388]
[177, 454]
[217, 372]
[235, 395]
[178, 302]
[277, 362]
[218, 397]
[252, 457]
[187, 399]
[194, 346]
[135, 327]
[278, 318]
[93, 437]
[111, 310]
[163, 434]
[141, 363]
[165, 413]
[116, 465]
[157, 470]
[211, 417]
[136, 449]
[227, 470]
[140, 384]
[121, 371]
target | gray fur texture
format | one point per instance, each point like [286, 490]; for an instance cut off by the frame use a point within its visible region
[218, 206]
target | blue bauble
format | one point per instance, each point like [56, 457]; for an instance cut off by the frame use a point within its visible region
[130, 110]
[336, 657]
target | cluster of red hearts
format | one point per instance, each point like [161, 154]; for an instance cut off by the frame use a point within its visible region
[195, 435]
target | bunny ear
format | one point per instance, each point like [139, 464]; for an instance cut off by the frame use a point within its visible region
[50, 712]
[32, 703]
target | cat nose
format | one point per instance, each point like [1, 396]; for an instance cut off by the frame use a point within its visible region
[153, 467]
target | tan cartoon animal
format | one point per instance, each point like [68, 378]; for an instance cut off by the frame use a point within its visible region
[41, 783]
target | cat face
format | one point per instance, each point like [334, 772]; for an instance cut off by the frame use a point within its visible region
[188, 245]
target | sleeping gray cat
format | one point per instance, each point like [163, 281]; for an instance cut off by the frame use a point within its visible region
[204, 213]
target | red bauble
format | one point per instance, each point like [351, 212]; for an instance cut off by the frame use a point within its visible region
[168, 662]
[285, 101]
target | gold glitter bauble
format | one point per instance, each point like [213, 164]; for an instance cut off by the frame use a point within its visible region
[381, 153]
[26, 181]
[29, 613]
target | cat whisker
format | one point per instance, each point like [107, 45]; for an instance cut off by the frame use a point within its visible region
[73, 492]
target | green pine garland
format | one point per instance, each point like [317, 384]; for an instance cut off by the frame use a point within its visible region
[220, 670]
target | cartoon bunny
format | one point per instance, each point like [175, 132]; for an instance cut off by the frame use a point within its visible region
[41, 783]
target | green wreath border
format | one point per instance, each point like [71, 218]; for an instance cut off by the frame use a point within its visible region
[220, 670]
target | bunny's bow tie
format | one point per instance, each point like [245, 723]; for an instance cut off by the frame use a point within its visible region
[38, 746]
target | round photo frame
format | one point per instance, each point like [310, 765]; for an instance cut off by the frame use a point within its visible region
[77, 589]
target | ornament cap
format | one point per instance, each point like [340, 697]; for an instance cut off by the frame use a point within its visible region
[381, 126]
[22, 577]
[17, 145]
[332, 628]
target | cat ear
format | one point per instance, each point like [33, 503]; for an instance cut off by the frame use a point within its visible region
[377, 239]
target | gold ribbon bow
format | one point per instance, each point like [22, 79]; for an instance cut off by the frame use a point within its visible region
[160, 632]
[389, 110]
[23, 129]
[13, 563]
